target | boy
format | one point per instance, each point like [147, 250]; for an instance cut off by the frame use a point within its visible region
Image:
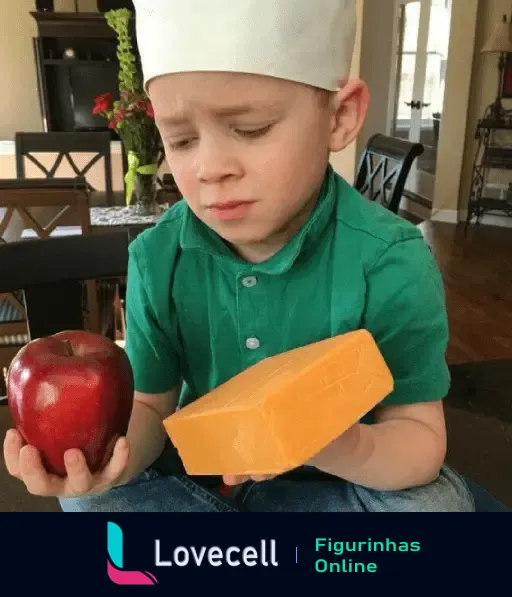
[269, 250]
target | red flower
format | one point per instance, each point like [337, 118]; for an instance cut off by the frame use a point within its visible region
[126, 95]
[118, 116]
[103, 103]
[149, 110]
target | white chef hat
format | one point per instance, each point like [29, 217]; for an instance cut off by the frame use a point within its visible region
[307, 41]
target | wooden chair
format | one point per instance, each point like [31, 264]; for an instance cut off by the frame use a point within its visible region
[384, 167]
[48, 276]
[167, 190]
[45, 205]
[40, 206]
[49, 273]
[63, 145]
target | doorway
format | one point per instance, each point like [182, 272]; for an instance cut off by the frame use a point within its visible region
[420, 57]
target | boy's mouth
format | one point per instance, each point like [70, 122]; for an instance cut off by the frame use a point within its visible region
[230, 210]
[228, 204]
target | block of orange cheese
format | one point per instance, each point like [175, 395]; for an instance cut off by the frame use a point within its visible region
[277, 414]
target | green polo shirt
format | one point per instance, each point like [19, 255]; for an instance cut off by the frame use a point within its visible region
[197, 312]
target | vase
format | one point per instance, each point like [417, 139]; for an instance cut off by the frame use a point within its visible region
[144, 201]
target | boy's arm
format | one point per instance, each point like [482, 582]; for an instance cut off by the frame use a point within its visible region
[151, 322]
[404, 448]
[405, 444]
[146, 433]
[151, 340]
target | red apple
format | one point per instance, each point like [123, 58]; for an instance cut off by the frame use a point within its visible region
[71, 390]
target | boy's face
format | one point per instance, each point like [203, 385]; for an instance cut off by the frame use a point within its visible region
[248, 152]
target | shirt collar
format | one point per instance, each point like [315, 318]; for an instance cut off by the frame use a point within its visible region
[195, 235]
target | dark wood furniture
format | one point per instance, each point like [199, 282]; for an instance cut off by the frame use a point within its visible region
[76, 60]
[105, 5]
[384, 167]
[491, 157]
[45, 5]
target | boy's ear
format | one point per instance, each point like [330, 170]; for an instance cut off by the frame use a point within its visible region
[350, 107]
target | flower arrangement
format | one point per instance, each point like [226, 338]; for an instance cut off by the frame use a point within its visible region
[131, 116]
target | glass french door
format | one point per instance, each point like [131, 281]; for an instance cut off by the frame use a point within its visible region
[420, 59]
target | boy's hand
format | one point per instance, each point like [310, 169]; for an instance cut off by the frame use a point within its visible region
[342, 447]
[24, 462]
[239, 479]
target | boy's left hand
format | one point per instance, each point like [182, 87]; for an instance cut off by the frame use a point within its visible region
[344, 445]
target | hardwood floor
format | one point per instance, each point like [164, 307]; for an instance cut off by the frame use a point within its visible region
[477, 272]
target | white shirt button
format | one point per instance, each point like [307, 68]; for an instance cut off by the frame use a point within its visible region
[249, 281]
[252, 343]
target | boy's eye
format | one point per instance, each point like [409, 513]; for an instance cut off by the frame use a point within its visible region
[182, 144]
[248, 133]
[251, 133]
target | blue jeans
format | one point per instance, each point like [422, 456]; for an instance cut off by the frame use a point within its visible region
[307, 491]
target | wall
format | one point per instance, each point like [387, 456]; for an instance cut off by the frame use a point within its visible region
[376, 65]
[87, 6]
[459, 99]
[483, 92]
[19, 104]
[344, 162]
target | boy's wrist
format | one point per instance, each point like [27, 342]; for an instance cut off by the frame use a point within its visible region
[144, 452]
[346, 453]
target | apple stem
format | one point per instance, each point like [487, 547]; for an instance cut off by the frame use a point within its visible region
[69, 348]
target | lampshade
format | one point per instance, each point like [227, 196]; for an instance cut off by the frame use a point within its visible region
[500, 40]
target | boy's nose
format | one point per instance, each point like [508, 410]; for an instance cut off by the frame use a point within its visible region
[216, 164]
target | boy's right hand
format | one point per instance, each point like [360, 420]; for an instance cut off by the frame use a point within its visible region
[24, 462]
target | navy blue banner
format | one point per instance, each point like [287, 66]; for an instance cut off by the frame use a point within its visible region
[112, 553]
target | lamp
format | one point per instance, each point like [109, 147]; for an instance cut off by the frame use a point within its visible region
[499, 43]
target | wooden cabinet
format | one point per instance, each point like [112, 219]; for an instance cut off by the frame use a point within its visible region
[105, 5]
[76, 60]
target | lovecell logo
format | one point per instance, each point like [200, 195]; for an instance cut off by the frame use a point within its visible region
[115, 567]
[264, 554]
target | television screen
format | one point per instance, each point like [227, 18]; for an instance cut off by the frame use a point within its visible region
[87, 82]
[105, 5]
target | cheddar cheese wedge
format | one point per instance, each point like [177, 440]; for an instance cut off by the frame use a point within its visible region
[277, 414]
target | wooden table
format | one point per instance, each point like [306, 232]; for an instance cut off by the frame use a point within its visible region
[107, 219]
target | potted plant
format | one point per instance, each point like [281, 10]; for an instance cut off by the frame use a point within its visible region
[132, 117]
